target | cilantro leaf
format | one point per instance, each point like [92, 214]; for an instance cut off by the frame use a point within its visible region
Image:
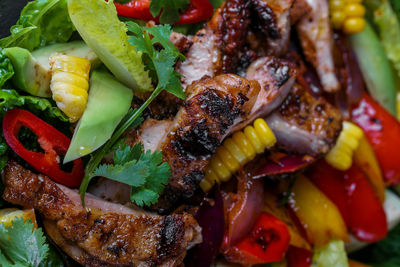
[160, 63]
[148, 193]
[133, 173]
[169, 9]
[21, 245]
[124, 153]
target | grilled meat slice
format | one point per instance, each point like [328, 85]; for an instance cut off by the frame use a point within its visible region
[299, 9]
[305, 124]
[103, 234]
[276, 77]
[316, 39]
[212, 109]
[273, 20]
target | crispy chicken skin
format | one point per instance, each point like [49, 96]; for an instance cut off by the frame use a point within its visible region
[212, 109]
[305, 124]
[316, 39]
[103, 234]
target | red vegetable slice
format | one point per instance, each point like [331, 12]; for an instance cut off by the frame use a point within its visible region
[382, 131]
[53, 142]
[298, 257]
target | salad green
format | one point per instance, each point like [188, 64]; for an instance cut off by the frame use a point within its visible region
[6, 68]
[333, 255]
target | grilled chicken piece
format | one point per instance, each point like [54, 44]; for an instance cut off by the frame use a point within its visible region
[305, 124]
[212, 109]
[276, 78]
[273, 18]
[299, 9]
[103, 234]
[316, 39]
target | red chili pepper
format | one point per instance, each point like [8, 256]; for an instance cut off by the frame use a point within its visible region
[53, 142]
[355, 198]
[382, 131]
[267, 241]
[198, 10]
[298, 257]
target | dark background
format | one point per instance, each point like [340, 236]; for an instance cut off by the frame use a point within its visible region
[9, 14]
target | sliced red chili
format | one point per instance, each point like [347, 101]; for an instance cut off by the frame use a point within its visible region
[298, 257]
[198, 10]
[268, 240]
[54, 143]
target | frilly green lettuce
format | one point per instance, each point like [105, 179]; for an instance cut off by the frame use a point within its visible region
[333, 255]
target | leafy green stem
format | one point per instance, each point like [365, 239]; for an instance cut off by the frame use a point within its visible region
[96, 158]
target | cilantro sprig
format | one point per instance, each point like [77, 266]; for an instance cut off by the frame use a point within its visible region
[21, 244]
[160, 56]
[168, 10]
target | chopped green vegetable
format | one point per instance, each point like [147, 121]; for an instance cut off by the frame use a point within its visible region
[6, 68]
[333, 255]
[42, 22]
[169, 9]
[388, 29]
[375, 67]
[161, 63]
[144, 172]
[99, 26]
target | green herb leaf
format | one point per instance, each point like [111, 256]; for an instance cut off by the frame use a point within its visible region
[42, 22]
[169, 9]
[160, 63]
[124, 153]
[21, 245]
[6, 68]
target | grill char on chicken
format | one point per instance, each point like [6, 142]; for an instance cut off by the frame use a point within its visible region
[103, 234]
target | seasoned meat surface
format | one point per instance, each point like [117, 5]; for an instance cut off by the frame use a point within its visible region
[212, 109]
[316, 39]
[305, 124]
[103, 234]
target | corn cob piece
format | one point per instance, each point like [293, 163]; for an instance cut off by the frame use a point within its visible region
[341, 155]
[70, 84]
[236, 151]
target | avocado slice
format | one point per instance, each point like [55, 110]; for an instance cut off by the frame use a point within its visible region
[32, 70]
[108, 103]
[30, 76]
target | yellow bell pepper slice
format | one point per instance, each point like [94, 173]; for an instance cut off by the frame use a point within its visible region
[8, 215]
[365, 158]
[270, 206]
[320, 218]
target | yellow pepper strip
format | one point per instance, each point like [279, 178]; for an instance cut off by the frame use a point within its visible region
[236, 151]
[8, 215]
[341, 155]
[320, 218]
[357, 264]
[270, 205]
[365, 158]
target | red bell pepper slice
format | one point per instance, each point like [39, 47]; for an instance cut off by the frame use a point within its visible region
[382, 131]
[298, 257]
[53, 142]
[198, 10]
[367, 218]
[355, 198]
[267, 241]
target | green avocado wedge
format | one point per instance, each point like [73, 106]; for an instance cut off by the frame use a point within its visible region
[98, 24]
[375, 67]
[108, 102]
[32, 70]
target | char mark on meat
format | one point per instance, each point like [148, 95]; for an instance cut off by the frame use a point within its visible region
[305, 124]
[212, 110]
[103, 234]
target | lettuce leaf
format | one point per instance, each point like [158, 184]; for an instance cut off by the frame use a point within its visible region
[98, 24]
[6, 68]
[42, 22]
[333, 255]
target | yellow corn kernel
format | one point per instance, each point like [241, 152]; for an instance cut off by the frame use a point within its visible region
[265, 134]
[398, 106]
[354, 25]
[353, 1]
[354, 10]
[229, 161]
[220, 169]
[240, 139]
[336, 5]
[341, 155]
[337, 19]
[255, 141]
[235, 151]
[69, 84]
